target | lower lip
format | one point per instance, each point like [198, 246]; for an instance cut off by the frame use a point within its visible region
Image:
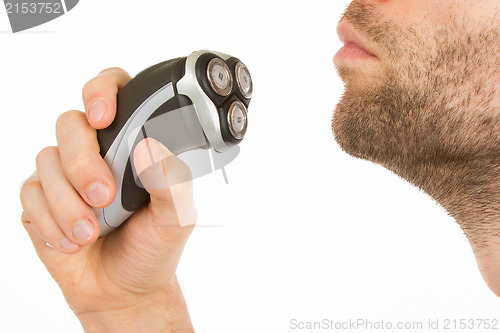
[351, 52]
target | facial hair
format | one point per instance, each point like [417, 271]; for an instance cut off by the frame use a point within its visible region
[431, 111]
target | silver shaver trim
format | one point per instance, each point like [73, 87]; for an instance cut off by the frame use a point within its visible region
[118, 156]
[205, 108]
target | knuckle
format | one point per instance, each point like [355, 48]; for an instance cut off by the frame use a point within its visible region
[77, 164]
[90, 85]
[113, 77]
[46, 153]
[96, 86]
[42, 224]
[24, 218]
[27, 188]
[112, 70]
[67, 118]
[49, 235]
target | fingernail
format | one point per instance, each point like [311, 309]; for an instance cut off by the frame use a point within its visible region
[96, 110]
[83, 230]
[67, 245]
[97, 194]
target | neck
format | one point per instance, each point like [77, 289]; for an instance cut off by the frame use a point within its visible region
[469, 190]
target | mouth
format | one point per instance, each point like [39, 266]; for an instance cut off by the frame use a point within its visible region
[354, 49]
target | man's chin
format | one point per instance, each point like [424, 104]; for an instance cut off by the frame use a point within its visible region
[355, 126]
[361, 77]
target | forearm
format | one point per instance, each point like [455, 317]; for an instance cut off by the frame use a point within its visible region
[166, 312]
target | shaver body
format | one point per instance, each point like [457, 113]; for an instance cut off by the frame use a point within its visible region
[188, 103]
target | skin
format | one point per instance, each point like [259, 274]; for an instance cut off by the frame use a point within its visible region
[427, 107]
[125, 281]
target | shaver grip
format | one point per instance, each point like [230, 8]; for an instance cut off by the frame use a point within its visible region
[135, 93]
[148, 106]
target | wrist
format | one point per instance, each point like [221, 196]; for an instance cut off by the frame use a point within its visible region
[165, 311]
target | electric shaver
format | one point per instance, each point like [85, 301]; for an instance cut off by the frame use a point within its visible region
[198, 102]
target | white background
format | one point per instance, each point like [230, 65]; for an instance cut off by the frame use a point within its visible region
[307, 232]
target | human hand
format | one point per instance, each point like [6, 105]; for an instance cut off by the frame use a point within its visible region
[126, 280]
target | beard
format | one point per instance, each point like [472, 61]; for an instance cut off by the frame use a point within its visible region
[430, 110]
[433, 99]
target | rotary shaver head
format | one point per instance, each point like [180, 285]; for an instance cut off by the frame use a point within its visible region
[189, 104]
[226, 88]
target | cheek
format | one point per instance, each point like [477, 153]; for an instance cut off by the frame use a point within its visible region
[409, 13]
[480, 13]
[466, 15]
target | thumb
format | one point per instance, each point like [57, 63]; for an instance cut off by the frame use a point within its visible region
[169, 182]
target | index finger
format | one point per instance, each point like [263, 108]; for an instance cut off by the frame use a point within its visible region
[99, 96]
